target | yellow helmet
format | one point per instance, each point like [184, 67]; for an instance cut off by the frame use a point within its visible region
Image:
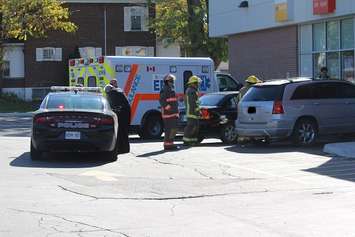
[194, 79]
[253, 80]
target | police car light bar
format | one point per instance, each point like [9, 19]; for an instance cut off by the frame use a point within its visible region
[76, 89]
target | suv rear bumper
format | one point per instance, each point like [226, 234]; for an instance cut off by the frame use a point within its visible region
[274, 131]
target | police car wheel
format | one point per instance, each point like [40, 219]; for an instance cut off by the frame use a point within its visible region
[153, 127]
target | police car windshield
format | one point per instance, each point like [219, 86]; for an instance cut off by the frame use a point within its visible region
[211, 99]
[79, 101]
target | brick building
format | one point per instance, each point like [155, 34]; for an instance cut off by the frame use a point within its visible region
[106, 27]
[280, 38]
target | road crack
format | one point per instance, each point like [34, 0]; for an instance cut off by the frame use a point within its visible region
[99, 228]
[161, 198]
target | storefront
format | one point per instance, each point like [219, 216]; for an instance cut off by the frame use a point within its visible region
[281, 38]
[328, 43]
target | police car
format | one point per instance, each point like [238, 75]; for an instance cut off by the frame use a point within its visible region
[74, 119]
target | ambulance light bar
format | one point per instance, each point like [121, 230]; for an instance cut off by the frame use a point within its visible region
[76, 89]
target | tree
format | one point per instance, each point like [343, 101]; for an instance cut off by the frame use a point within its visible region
[22, 19]
[186, 22]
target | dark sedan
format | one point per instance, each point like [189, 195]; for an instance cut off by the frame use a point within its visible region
[74, 121]
[218, 114]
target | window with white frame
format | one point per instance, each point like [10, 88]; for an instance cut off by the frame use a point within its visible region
[136, 18]
[90, 52]
[135, 51]
[5, 69]
[13, 64]
[328, 44]
[48, 54]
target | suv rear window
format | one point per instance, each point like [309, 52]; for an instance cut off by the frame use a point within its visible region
[264, 93]
[65, 101]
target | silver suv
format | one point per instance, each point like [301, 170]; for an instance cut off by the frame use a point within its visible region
[301, 109]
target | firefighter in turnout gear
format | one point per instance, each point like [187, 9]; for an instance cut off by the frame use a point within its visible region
[192, 106]
[169, 111]
[249, 82]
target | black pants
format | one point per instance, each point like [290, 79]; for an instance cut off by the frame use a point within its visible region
[191, 131]
[123, 134]
[170, 129]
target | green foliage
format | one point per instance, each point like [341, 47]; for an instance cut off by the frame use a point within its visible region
[22, 19]
[179, 21]
[11, 103]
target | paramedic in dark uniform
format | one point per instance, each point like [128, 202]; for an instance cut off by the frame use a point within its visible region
[169, 111]
[120, 105]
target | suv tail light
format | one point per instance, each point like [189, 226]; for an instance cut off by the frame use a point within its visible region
[278, 108]
[205, 114]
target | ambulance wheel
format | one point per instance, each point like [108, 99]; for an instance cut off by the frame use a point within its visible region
[153, 127]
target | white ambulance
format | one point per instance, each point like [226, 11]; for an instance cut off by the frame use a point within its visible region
[141, 79]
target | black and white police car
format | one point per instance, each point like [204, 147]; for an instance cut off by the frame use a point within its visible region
[74, 119]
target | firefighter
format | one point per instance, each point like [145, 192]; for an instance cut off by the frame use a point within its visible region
[192, 106]
[169, 111]
[249, 82]
[120, 105]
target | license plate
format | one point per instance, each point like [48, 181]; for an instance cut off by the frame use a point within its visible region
[72, 135]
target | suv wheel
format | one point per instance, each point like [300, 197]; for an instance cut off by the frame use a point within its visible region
[153, 127]
[305, 132]
[229, 134]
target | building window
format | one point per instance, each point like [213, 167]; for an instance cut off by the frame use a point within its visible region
[90, 52]
[5, 69]
[48, 54]
[347, 62]
[319, 37]
[332, 46]
[135, 51]
[136, 19]
[333, 65]
[347, 34]
[333, 35]
[13, 66]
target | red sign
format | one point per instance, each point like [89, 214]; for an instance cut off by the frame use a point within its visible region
[323, 6]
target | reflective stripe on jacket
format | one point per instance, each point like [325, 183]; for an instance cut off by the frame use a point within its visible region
[192, 103]
[168, 103]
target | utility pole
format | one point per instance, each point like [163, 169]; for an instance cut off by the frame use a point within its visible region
[196, 30]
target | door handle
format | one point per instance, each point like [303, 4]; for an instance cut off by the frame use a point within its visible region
[315, 103]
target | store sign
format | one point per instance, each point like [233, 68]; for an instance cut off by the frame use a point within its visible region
[323, 6]
[283, 10]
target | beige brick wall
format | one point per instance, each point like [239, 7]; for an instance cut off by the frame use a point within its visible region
[268, 53]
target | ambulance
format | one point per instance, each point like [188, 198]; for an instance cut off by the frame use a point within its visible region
[141, 79]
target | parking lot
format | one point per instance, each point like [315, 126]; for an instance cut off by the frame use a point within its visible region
[209, 190]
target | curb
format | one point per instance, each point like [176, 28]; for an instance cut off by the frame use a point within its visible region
[346, 149]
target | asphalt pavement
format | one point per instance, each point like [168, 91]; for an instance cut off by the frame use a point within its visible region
[209, 190]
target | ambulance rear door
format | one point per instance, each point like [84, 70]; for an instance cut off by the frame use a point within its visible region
[202, 71]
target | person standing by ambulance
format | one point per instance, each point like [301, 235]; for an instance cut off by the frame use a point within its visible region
[192, 106]
[169, 111]
[120, 105]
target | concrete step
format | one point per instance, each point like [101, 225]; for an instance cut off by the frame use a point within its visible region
[346, 149]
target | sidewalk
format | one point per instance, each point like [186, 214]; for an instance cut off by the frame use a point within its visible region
[346, 149]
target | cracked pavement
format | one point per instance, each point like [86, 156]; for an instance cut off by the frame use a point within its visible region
[210, 190]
